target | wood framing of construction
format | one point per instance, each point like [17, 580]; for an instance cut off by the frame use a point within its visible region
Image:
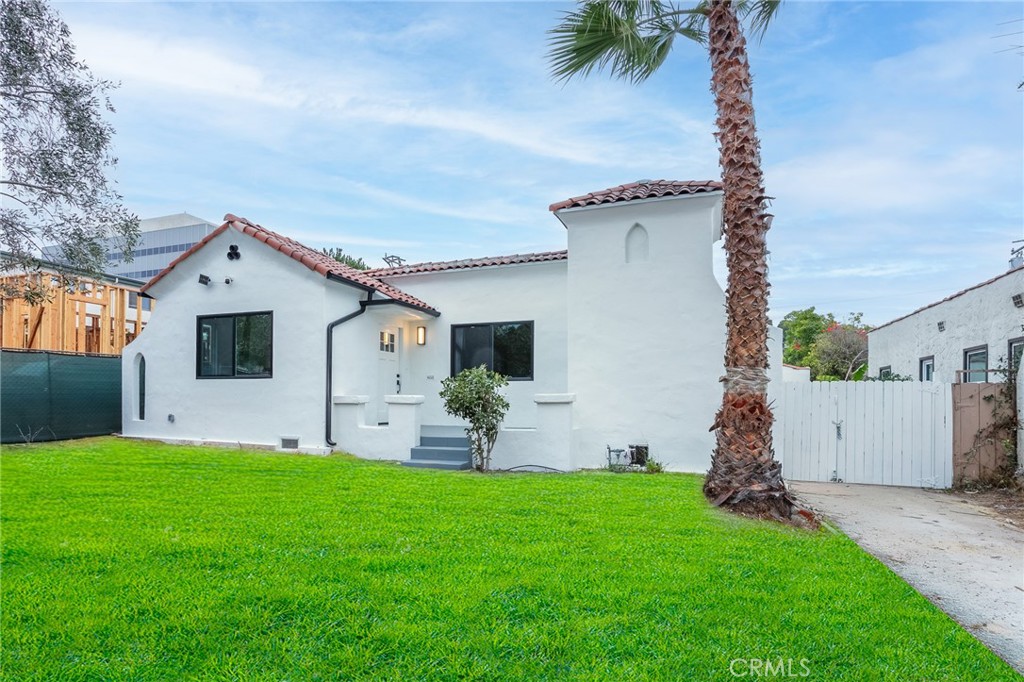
[91, 316]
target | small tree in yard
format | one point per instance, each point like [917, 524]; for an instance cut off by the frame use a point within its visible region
[474, 395]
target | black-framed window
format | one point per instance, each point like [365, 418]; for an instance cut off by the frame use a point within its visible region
[503, 347]
[1014, 352]
[885, 372]
[235, 345]
[926, 368]
[976, 364]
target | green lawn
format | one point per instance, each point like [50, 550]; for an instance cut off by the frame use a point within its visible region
[139, 561]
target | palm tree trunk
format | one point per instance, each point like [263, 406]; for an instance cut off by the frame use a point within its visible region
[744, 473]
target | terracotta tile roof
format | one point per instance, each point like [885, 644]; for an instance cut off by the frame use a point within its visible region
[951, 297]
[643, 189]
[469, 263]
[311, 258]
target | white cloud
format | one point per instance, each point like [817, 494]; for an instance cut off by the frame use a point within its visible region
[146, 60]
[487, 211]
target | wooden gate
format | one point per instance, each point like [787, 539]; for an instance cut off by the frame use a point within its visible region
[885, 433]
[979, 451]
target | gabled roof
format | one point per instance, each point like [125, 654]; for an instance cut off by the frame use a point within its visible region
[951, 297]
[642, 189]
[469, 263]
[314, 260]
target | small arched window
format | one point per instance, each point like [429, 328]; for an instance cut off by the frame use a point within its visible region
[637, 249]
[140, 364]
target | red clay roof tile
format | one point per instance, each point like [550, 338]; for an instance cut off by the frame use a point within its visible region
[469, 263]
[312, 259]
[643, 189]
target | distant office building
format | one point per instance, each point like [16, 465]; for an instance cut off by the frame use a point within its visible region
[161, 240]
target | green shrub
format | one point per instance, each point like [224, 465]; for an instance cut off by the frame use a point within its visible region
[474, 395]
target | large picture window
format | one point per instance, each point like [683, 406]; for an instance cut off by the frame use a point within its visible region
[237, 345]
[503, 347]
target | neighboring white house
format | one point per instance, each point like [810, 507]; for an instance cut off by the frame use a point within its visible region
[616, 341]
[973, 331]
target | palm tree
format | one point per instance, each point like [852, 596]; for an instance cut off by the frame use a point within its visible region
[632, 38]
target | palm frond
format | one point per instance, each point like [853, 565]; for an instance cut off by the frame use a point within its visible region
[758, 14]
[630, 38]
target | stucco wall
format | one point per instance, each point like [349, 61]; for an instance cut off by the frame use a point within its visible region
[794, 373]
[255, 411]
[982, 316]
[638, 338]
[511, 293]
[646, 337]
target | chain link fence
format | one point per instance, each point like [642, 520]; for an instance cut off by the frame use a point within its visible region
[46, 395]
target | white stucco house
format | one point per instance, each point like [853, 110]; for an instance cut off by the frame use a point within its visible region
[614, 342]
[960, 338]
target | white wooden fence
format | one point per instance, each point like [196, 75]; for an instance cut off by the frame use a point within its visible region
[886, 432]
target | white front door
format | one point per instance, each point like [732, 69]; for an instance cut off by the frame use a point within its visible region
[389, 380]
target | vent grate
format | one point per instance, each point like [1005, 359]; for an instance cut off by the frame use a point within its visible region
[289, 443]
[1018, 300]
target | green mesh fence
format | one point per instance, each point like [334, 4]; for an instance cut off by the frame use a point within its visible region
[53, 396]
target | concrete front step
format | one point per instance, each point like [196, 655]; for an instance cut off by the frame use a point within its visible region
[441, 447]
[436, 464]
[445, 441]
[437, 453]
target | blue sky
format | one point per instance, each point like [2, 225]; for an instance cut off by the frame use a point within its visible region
[891, 132]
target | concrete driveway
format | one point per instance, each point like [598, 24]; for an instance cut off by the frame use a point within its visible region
[958, 555]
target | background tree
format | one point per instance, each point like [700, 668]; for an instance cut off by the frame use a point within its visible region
[632, 38]
[54, 187]
[833, 350]
[800, 329]
[344, 258]
[839, 351]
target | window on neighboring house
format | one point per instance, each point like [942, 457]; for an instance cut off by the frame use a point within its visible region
[503, 347]
[1015, 349]
[133, 301]
[885, 372]
[926, 368]
[976, 364]
[236, 345]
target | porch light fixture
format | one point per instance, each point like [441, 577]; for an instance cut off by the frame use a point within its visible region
[204, 280]
[421, 336]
